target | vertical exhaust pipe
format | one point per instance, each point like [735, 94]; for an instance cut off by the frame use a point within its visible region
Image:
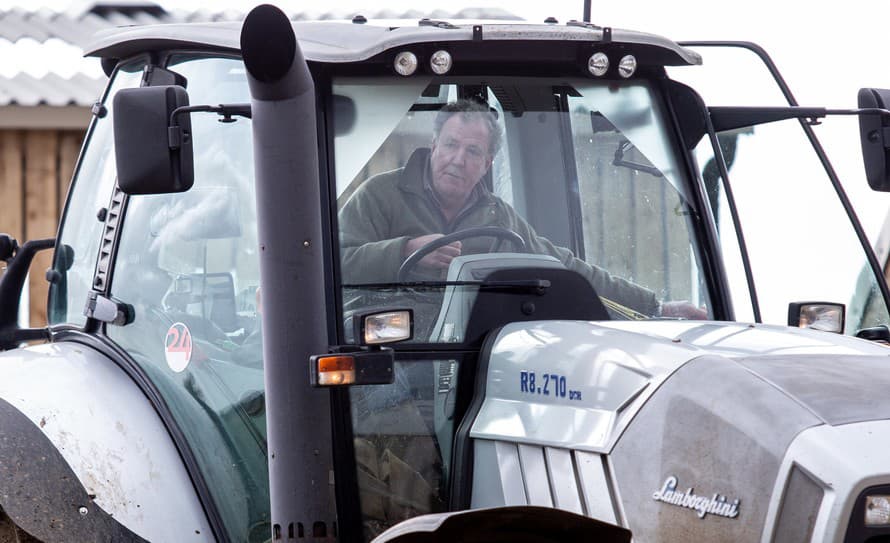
[292, 276]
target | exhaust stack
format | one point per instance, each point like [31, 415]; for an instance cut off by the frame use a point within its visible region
[291, 275]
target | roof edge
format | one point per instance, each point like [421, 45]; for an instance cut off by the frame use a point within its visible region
[339, 42]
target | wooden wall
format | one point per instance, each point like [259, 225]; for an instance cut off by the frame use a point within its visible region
[35, 170]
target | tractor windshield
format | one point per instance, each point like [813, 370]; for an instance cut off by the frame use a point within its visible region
[515, 172]
[443, 184]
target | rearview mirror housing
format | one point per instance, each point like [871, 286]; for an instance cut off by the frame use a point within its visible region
[152, 156]
[875, 138]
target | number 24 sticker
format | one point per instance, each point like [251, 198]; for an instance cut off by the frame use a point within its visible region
[178, 347]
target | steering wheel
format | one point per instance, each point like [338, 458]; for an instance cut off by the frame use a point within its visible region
[499, 233]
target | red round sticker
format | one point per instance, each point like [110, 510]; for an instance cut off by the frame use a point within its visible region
[178, 347]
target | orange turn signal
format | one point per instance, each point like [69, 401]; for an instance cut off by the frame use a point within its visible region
[335, 369]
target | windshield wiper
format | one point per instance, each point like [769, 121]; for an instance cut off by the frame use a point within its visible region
[623, 147]
[538, 286]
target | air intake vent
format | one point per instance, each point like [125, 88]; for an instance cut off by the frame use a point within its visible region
[799, 509]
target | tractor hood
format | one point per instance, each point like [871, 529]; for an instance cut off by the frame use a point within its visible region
[579, 384]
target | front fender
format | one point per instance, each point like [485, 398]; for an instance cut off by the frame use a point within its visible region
[40, 492]
[76, 431]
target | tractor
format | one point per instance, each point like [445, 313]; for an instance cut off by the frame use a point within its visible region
[648, 315]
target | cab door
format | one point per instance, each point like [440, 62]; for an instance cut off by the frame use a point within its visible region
[802, 238]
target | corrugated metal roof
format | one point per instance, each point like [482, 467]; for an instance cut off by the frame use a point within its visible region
[41, 51]
[51, 90]
[78, 28]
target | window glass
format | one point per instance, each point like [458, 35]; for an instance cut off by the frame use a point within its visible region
[188, 264]
[90, 191]
[801, 244]
[635, 216]
[729, 247]
[583, 172]
[402, 435]
[730, 76]
[375, 119]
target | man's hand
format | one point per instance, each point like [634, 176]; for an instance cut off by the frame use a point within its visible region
[683, 310]
[438, 259]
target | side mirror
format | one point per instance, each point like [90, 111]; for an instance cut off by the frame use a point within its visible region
[874, 134]
[8, 247]
[878, 334]
[11, 284]
[153, 147]
[345, 114]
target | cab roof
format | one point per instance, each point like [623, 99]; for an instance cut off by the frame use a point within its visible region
[344, 42]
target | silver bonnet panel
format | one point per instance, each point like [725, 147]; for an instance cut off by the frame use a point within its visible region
[713, 431]
[839, 389]
[571, 384]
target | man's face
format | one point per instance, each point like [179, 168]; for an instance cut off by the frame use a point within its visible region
[460, 157]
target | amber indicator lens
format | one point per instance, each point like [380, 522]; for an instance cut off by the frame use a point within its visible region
[335, 370]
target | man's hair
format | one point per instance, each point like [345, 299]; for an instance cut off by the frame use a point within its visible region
[470, 110]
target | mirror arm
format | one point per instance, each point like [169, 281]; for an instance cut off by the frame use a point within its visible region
[11, 285]
[866, 111]
[860, 111]
[732, 117]
[227, 112]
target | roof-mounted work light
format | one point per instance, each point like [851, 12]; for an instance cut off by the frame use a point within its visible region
[627, 66]
[440, 62]
[598, 64]
[405, 63]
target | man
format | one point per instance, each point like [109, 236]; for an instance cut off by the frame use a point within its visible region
[438, 192]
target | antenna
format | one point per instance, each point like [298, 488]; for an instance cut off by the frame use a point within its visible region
[586, 18]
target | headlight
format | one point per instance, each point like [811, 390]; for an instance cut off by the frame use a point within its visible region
[384, 327]
[870, 517]
[823, 316]
[877, 510]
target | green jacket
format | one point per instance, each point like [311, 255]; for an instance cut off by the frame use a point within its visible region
[393, 207]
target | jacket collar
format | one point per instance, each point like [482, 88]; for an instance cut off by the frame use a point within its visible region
[411, 178]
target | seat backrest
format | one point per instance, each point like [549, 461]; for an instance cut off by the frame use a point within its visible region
[220, 293]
